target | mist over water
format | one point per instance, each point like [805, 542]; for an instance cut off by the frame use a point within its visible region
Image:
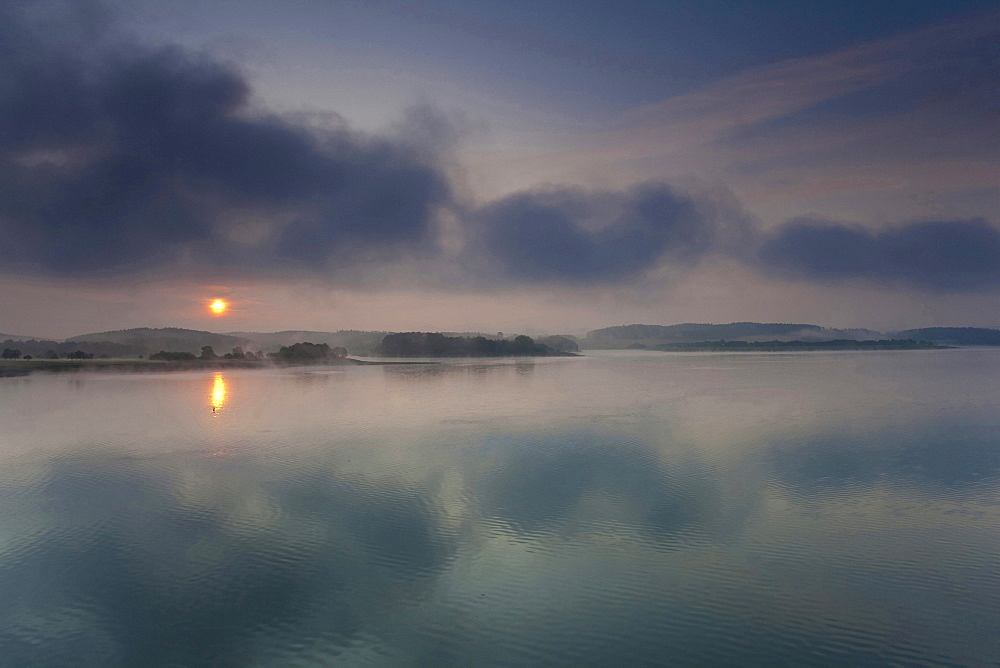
[620, 508]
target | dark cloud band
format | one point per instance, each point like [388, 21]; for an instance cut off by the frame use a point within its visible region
[573, 235]
[116, 157]
[941, 255]
[128, 156]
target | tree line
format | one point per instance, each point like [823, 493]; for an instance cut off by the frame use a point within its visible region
[17, 354]
[45, 349]
[433, 344]
[304, 351]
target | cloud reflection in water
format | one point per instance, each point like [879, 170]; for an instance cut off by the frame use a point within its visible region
[587, 511]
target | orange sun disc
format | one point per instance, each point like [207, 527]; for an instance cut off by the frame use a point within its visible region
[218, 307]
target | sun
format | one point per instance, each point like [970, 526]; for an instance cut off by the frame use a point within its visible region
[218, 307]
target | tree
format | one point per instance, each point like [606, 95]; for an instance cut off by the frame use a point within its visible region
[304, 351]
[523, 345]
[9, 354]
[561, 343]
[208, 353]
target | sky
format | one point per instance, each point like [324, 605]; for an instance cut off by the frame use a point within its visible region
[538, 167]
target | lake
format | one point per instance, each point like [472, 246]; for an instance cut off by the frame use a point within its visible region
[623, 508]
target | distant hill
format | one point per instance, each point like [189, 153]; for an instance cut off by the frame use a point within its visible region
[145, 340]
[793, 346]
[624, 336]
[955, 336]
[19, 337]
[48, 349]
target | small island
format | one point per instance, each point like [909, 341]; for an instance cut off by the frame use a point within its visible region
[432, 344]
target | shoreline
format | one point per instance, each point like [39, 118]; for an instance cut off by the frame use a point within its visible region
[10, 368]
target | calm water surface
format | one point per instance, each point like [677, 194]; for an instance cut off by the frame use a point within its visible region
[623, 508]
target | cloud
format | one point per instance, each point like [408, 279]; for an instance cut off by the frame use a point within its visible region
[862, 129]
[116, 156]
[583, 236]
[131, 158]
[936, 255]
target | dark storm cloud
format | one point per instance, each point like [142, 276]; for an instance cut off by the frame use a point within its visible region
[942, 255]
[117, 157]
[579, 236]
[114, 156]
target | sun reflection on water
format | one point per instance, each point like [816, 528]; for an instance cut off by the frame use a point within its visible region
[219, 393]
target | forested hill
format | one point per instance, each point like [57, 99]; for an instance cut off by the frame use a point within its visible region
[955, 336]
[624, 335]
[793, 346]
[146, 340]
[16, 337]
[653, 336]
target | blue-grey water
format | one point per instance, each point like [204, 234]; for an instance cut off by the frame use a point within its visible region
[617, 509]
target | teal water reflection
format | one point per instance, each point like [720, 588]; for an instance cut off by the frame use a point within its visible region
[802, 509]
